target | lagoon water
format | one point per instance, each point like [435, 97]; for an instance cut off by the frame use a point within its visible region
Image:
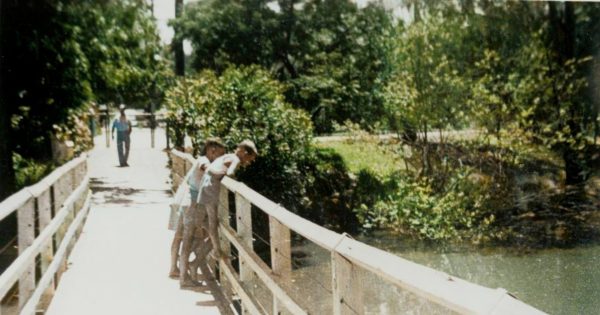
[557, 281]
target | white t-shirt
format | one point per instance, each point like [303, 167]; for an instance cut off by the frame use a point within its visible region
[197, 170]
[210, 186]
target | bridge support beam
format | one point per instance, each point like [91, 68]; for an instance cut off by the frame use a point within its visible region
[243, 214]
[347, 285]
[26, 235]
[281, 257]
[223, 211]
[44, 206]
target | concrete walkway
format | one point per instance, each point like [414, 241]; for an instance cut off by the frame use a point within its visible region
[121, 262]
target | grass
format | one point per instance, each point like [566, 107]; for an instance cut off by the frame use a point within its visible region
[365, 155]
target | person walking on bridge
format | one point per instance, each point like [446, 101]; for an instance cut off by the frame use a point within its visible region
[123, 127]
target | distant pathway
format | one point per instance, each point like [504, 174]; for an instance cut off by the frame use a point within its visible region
[432, 136]
[121, 261]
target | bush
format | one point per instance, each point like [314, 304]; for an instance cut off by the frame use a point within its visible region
[29, 171]
[246, 103]
[330, 191]
[76, 129]
[454, 213]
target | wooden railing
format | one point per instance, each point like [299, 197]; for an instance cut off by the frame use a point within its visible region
[49, 219]
[351, 262]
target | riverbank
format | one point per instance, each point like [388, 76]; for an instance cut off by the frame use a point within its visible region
[479, 191]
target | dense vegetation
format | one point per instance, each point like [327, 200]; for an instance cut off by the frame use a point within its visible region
[519, 73]
[59, 57]
[521, 76]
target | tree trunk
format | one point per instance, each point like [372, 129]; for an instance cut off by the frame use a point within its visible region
[178, 43]
[7, 173]
[563, 43]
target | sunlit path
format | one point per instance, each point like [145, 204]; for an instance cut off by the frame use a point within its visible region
[121, 261]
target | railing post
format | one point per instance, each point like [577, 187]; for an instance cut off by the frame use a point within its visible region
[243, 216]
[346, 284]
[61, 192]
[26, 235]
[281, 257]
[223, 241]
[44, 206]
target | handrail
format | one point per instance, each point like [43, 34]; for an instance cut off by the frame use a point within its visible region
[64, 192]
[18, 199]
[350, 258]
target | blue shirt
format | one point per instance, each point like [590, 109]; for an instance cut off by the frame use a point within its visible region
[120, 125]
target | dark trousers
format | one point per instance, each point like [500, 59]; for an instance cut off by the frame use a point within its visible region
[123, 143]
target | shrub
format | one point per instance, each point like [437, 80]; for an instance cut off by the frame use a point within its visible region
[246, 103]
[413, 207]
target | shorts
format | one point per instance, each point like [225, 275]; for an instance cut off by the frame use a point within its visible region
[194, 219]
[194, 195]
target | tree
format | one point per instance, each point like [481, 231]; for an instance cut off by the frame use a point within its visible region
[7, 181]
[247, 103]
[59, 55]
[332, 55]
[123, 50]
[46, 69]
[178, 43]
[426, 90]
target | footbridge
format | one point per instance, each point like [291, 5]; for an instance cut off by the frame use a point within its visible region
[92, 238]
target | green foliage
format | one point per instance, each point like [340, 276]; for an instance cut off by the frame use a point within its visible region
[76, 130]
[427, 90]
[29, 171]
[123, 50]
[333, 55]
[44, 73]
[331, 193]
[246, 103]
[455, 213]
[64, 54]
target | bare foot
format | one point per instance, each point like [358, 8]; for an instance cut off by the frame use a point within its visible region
[205, 277]
[218, 254]
[189, 283]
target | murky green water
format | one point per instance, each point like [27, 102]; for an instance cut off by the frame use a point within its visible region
[557, 281]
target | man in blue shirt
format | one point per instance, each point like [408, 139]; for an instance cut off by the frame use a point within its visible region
[123, 127]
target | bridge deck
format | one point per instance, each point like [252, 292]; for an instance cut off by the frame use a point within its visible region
[121, 261]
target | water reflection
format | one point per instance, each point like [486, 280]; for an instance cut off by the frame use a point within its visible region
[557, 281]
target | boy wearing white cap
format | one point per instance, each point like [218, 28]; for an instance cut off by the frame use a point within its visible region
[210, 187]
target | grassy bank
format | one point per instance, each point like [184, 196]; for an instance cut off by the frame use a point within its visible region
[476, 191]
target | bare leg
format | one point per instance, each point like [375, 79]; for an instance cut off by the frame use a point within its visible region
[186, 247]
[175, 245]
[202, 247]
[213, 224]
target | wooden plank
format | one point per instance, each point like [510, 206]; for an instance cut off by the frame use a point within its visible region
[26, 236]
[61, 254]
[247, 302]
[263, 272]
[16, 200]
[44, 207]
[18, 267]
[347, 286]
[13, 202]
[281, 256]
[223, 210]
[317, 234]
[243, 217]
[435, 286]
[428, 283]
